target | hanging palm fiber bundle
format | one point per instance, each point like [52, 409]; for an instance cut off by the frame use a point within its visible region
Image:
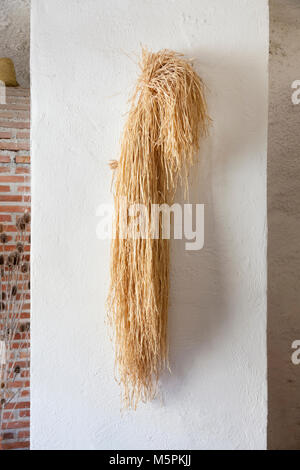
[167, 117]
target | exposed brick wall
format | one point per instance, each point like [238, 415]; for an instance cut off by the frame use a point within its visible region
[14, 198]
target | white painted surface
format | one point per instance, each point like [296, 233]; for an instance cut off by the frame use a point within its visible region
[81, 79]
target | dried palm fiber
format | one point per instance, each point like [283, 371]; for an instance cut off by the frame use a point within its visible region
[167, 117]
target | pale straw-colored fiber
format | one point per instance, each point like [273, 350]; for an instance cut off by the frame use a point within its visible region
[167, 118]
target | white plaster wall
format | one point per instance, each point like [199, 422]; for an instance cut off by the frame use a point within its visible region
[83, 68]
[15, 36]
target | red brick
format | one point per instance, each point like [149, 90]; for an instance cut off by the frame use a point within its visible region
[17, 100]
[21, 404]
[24, 354]
[13, 247]
[21, 170]
[23, 159]
[10, 209]
[7, 114]
[19, 285]
[15, 114]
[18, 106]
[25, 373]
[5, 218]
[10, 228]
[15, 424]
[4, 159]
[26, 306]
[19, 336]
[18, 97]
[14, 121]
[10, 198]
[15, 124]
[23, 189]
[11, 179]
[23, 135]
[18, 91]
[16, 345]
[14, 147]
[9, 435]
[5, 169]
[8, 247]
[15, 445]
[18, 383]
[23, 434]
[5, 135]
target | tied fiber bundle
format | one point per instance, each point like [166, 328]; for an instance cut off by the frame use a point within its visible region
[167, 117]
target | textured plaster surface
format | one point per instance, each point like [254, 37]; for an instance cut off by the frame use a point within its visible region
[284, 226]
[15, 36]
[83, 60]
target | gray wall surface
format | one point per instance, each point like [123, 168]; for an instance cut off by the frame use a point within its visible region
[15, 36]
[283, 226]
